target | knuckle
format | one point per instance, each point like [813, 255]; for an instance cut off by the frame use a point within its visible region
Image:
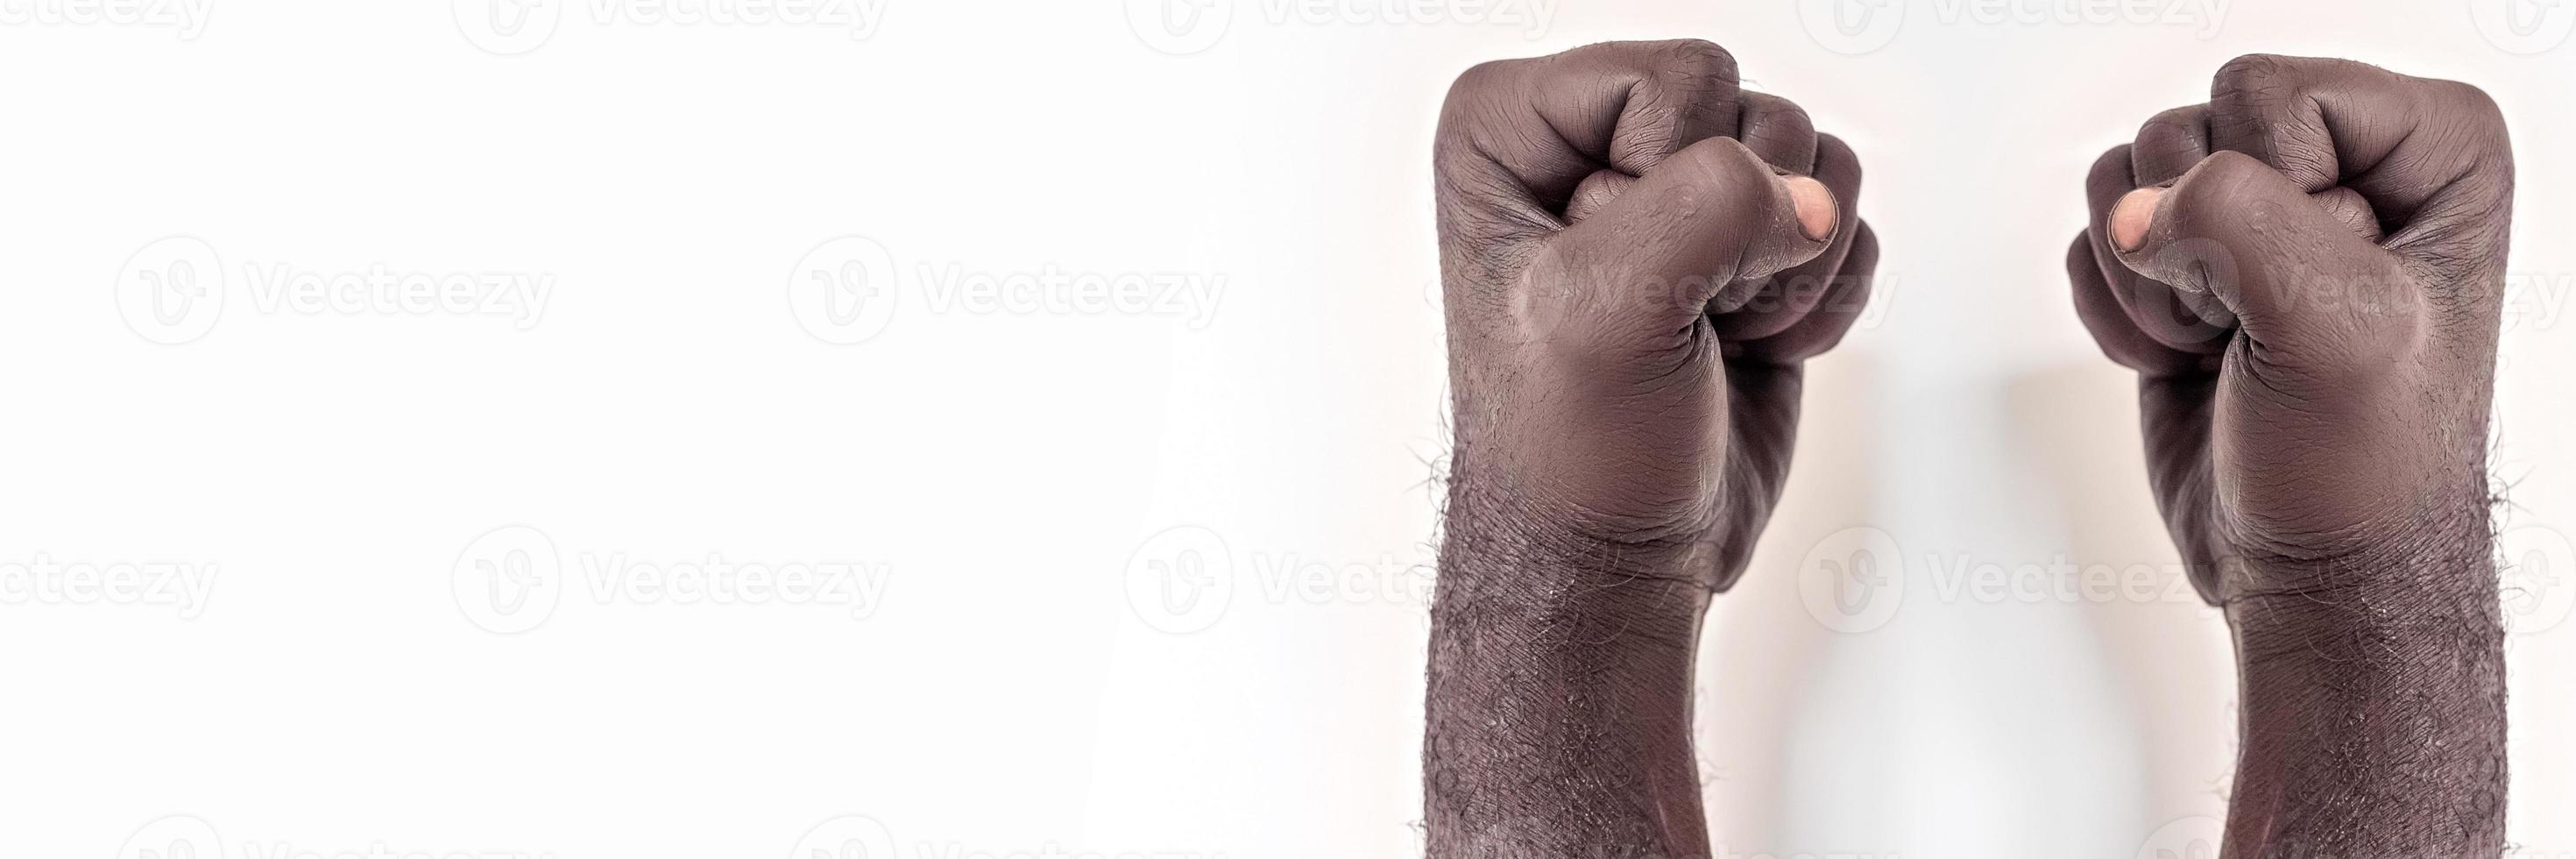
[1481, 79]
[1780, 129]
[2080, 265]
[1864, 250]
[2252, 73]
[2255, 92]
[2168, 144]
[2113, 165]
[1695, 58]
[2471, 101]
[1478, 101]
[1832, 150]
[1776, 115]
[1769, 106]
[2178, 124]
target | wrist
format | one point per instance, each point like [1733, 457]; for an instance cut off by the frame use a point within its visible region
[1508, 566]
[1560, 691]
[2372, 701]
[2374, 602]
[2418, 616]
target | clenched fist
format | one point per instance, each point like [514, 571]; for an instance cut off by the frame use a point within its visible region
[2306, 272]
[1637, 257]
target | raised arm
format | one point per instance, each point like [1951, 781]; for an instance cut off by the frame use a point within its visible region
[2306, 272]
[1636, 263]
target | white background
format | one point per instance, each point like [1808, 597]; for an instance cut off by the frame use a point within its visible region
[1079, 514]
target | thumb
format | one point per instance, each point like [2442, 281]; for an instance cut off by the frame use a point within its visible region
[2296, 275]
[1707, 216]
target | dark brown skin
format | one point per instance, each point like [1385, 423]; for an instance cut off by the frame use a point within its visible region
[1632, 290]
[2310, 290]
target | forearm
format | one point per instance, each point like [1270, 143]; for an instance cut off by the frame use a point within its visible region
[1559, 703]
[2373, 708]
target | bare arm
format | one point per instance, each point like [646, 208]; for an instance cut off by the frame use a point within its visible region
[1635, 263]
[2306, 272]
